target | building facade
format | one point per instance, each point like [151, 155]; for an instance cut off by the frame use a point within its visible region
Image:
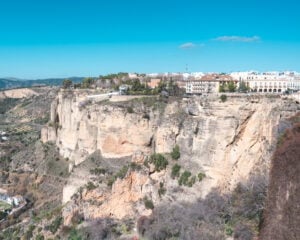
[201, 86]
[269, 82]
[208, 83]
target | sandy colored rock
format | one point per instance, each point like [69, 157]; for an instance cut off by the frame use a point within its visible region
[18, 93]
[226, 141]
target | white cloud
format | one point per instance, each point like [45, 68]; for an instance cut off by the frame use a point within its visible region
[237, 39]
[187, 45]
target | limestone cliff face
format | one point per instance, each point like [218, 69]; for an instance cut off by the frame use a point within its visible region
[80, 130]
[227, 141]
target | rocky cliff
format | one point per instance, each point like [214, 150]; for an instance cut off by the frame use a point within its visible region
[230, 142]
[282, 214]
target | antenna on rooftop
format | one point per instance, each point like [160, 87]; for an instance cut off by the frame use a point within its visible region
[186, 68]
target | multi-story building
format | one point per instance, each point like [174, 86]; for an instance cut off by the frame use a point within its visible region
[201, 86]
[269, 82]
[208, 83]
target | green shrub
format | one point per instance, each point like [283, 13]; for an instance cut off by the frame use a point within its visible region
[39, 237]
[184, 178]
[111, 181]
[74, 235]
[121, 174]
[223, 98]
[130, 110]
[228, 230]
[201, 176]
[148, 203]
[146, 116]
[192, 181]
[134, 166]
[98, 171]
[175, 171]
[175, 154]
[29, 233]
[90, 186]
[53, 227]
[159, 161]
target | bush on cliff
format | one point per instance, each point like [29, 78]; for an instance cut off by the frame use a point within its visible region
[223, 98]
[159, 161]
[175, 171]
[184, 178]
[148, 203]
[175, 154]
[201, 176]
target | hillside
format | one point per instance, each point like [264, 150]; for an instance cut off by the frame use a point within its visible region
[8, 83]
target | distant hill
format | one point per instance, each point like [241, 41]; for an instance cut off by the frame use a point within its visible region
[8, 83]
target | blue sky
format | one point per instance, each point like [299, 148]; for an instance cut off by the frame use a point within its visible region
[40, 39]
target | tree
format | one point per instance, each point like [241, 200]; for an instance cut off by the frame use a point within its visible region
[221, 88]
[243, 87]
[161, 86]
[87, 82]
[67, 83]
[137, 86]
[223, 98]
[231, 86]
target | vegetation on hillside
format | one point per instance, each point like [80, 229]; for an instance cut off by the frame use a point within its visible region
[228, 87]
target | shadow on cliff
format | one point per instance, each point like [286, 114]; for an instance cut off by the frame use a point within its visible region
[216, 217]
[282, 215]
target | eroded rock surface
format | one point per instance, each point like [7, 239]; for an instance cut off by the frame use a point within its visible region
[229, 142]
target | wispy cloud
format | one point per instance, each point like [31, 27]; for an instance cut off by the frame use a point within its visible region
[237, 39]
[187, 45]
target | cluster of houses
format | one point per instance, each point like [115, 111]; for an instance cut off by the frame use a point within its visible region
[200, 83]
[268, 82]
[11, 205]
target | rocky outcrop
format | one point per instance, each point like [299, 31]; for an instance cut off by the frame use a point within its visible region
[227, 141]
[118, 203]
[79, 129]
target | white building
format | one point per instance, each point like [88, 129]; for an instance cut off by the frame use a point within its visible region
[271, 82]
[208, 83]
[201, 86]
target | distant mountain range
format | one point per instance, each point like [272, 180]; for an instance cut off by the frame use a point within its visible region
[8, 83]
